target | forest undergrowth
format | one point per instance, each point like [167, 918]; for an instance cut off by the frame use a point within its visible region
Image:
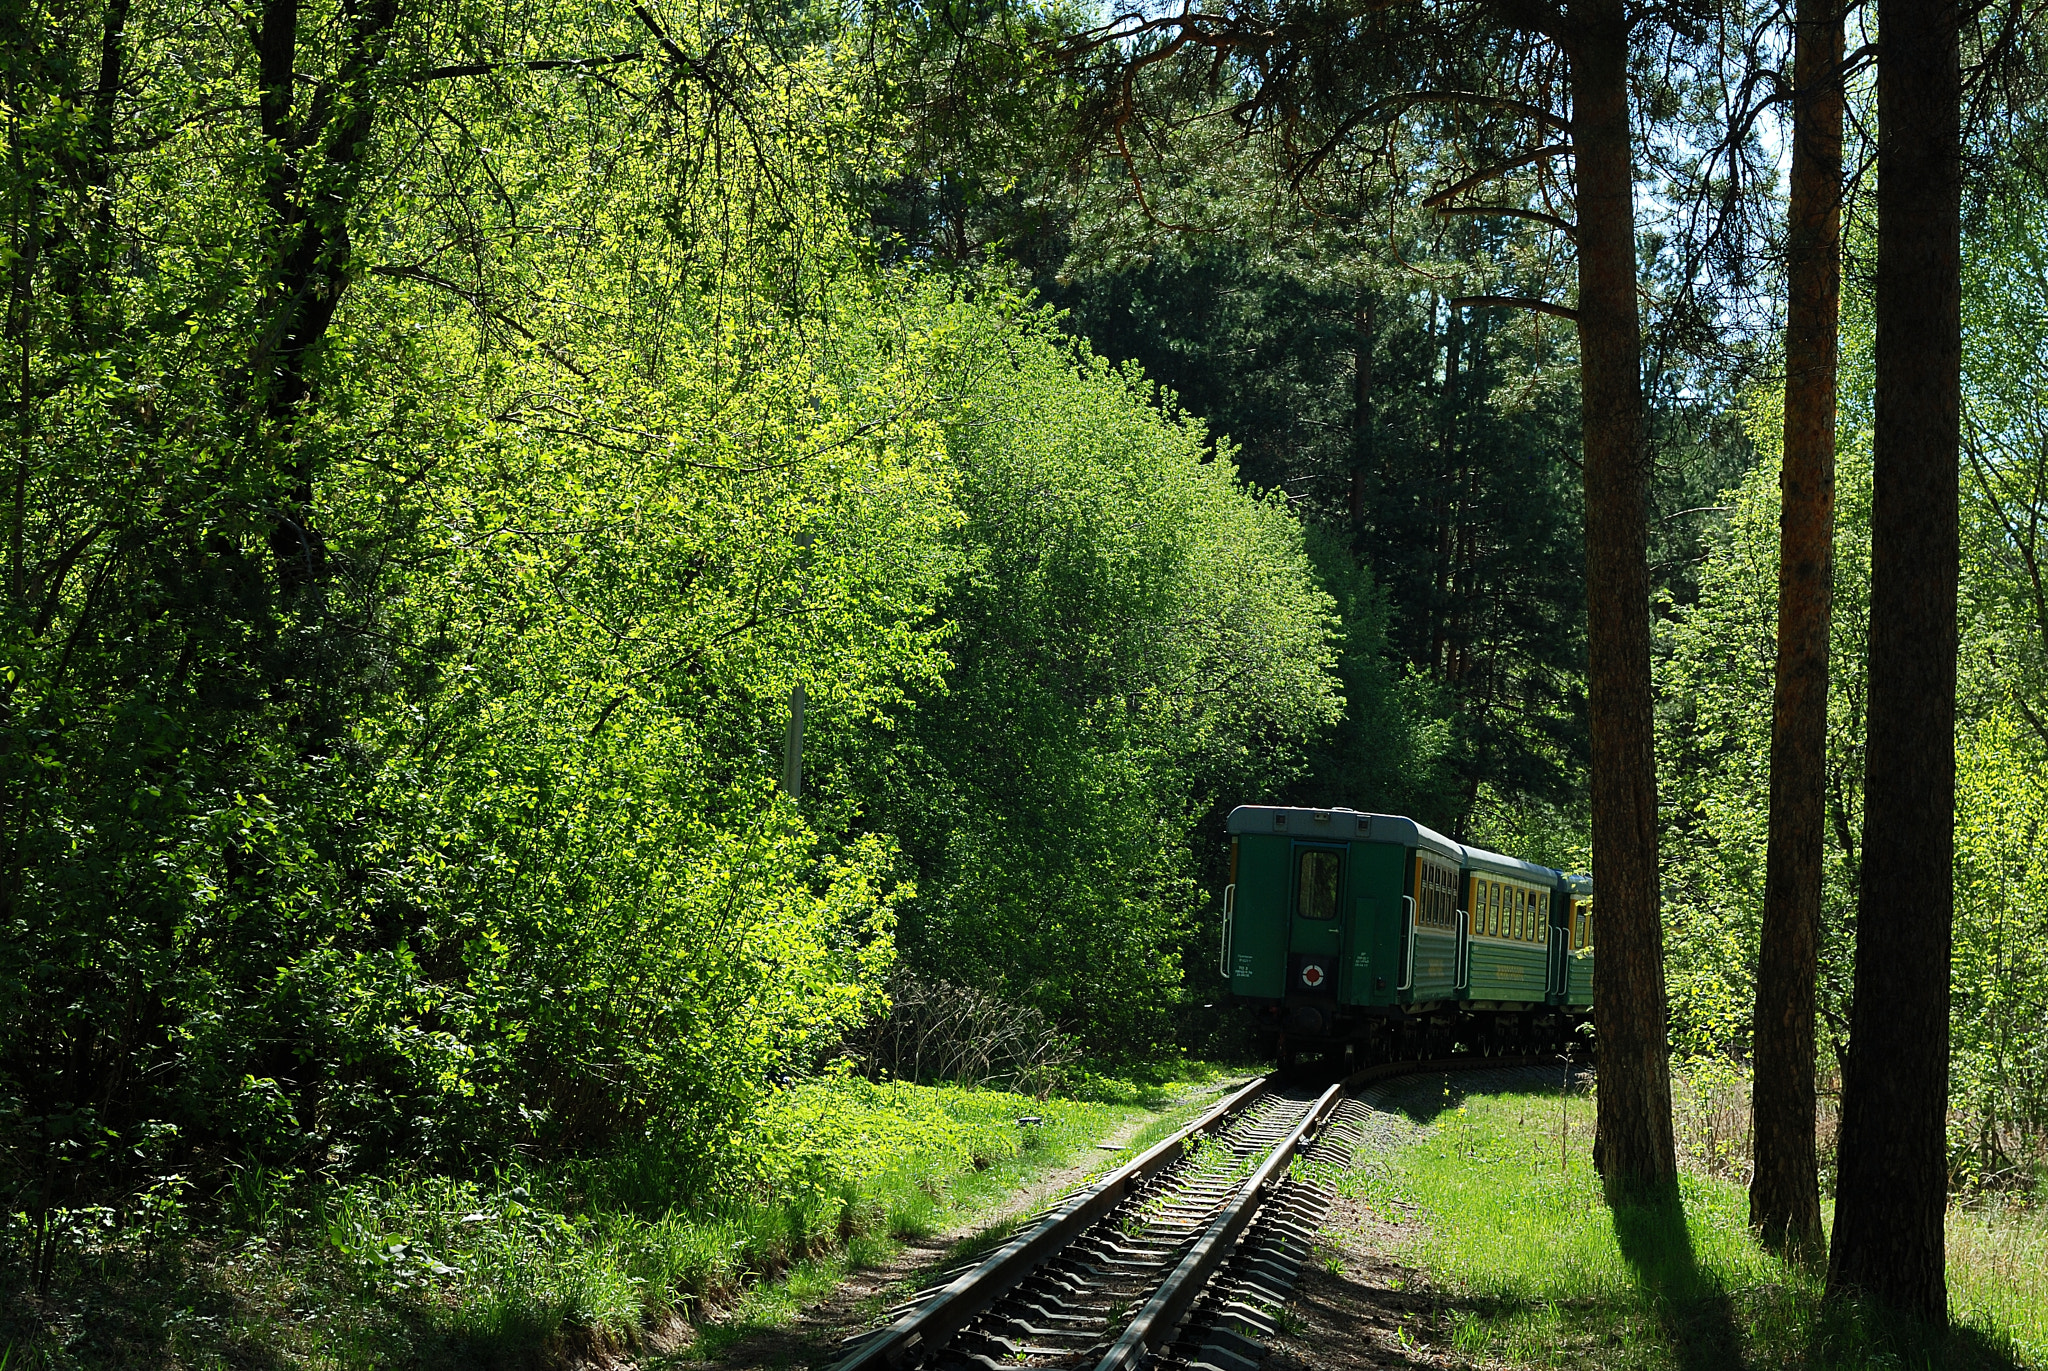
[538, 1266]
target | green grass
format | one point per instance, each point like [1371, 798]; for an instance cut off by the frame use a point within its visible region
[968, 1193]
[1537, 1269]
[532, 1268]
[1998, 1275]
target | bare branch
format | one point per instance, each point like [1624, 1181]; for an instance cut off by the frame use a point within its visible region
[1393, 104]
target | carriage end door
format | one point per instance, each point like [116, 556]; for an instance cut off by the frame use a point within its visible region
[1315, 946]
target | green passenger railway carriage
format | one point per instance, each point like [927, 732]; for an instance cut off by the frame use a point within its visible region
[1370, 936]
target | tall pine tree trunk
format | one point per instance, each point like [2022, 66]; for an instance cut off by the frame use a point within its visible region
[1633, 1133]
[1891, 1191]
[1784, 1193]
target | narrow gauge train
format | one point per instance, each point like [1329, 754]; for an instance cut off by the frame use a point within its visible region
[1370, 937]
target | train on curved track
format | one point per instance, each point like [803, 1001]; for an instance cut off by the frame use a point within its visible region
[1369, 937]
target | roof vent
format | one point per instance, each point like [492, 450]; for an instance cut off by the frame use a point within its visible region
[1322, 818]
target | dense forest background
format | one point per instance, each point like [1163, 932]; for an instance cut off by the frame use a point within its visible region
[442, 438]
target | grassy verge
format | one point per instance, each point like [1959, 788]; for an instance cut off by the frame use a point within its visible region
[533, 1267]
[1151, 1109]
[1537, 1269]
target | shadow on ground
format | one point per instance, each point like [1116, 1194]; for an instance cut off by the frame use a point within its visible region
[1695, 1313]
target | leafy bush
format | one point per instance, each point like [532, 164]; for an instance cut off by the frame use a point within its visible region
[1133, 630]
[580, 1257]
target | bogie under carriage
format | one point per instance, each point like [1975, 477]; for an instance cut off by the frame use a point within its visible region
[1371, 936]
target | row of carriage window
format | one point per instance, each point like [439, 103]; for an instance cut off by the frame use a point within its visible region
[1499, 909]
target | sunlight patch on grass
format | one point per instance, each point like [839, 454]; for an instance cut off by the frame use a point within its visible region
[1540, 1270]
[1998, 1274]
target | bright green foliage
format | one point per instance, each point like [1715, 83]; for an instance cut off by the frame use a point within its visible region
[1457, 450]
[1999, 1056]
[1716, 685]
[436, 1271]
[387, 719]
[1133, 631]
[1716, 681]
[442, 439]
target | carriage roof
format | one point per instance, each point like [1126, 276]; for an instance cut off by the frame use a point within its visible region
[1342, 825]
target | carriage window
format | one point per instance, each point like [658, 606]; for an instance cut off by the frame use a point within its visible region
[1317, 897]
[1521, 917]
[1493, 906]
[1537, 905]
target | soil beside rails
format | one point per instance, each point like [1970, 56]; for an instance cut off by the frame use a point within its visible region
[1493, 1199]
[536, 1268]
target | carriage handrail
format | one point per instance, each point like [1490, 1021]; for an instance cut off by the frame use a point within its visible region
[1408, 972]
[1229, 920]
[1463, 952]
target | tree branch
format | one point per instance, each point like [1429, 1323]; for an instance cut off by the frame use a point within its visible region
[1516, 302]
[420, 78]
[1395, 103]
[1564, 226]
[1498, 169]
[475, 302]
[1539, 16]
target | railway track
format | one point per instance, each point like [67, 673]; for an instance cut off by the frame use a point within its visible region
[1180, 1258]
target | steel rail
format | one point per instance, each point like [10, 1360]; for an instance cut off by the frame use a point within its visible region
[1170, 1303]
[971, 1293]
